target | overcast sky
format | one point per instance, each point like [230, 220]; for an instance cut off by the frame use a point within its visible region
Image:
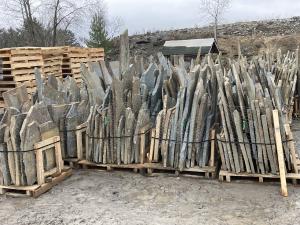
[151, 15]
[141, 15]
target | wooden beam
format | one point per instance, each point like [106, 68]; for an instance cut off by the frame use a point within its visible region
[279, 148]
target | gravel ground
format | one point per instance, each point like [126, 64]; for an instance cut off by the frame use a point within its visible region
[99, 197]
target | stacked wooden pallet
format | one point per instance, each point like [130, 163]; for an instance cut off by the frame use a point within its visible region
[18, 64]
[52, 61]
[74, 56]
[95, 54]
[18, 67]
[1, 78]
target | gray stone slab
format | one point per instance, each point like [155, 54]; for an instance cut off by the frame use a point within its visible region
[32, 137]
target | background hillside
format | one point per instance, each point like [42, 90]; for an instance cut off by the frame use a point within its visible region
[254, 36]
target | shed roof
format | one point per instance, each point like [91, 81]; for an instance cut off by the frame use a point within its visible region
[190, 47]
[190, 43]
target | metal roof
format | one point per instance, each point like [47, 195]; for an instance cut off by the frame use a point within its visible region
[190, 47]
[190, 43]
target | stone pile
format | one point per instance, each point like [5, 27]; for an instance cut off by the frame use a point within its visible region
[125, 96]
[57, 108]
[68, 105]
[181, 138]
[248, 93]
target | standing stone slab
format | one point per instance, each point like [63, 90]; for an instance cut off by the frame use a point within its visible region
[32, 137]
[124, 52]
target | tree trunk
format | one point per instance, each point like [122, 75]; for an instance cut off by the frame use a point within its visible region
[216, 28]
[54, 35]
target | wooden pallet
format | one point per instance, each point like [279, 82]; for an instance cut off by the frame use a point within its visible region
[74, 56]
[157, 168]
[36, 190]
[229, 177]
[52, 61]
[110, 167]
[46, 179]
[18, 64]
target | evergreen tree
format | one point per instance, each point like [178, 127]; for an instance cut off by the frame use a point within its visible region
[98, 35]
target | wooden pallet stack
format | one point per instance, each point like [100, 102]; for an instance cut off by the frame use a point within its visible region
[95, 54]
[18, 67]
[74, 56]
[1, 69]
[52, 62]
[18, 64]
[1, 78]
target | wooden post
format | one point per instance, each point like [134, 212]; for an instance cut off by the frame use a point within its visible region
[212, 148]
[152, 141]
[79, 139]
[79, 144]
[279, 148]
[58, 156]
[39, 167]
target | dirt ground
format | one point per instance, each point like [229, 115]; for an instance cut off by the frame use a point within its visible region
[98, 197]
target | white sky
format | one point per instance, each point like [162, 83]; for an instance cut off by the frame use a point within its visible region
[151, 15]
[141, 15]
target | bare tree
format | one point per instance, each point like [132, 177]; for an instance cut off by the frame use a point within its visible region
[46, 21]
[24, 9]
[67, 13]
[214, 9]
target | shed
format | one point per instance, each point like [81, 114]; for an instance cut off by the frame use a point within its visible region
[190, 47]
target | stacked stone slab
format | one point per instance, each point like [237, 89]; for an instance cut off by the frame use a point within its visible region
[249, 91]
[22, 126]
[68, 105]
[181, 138]
[56, 109]
[124, 95]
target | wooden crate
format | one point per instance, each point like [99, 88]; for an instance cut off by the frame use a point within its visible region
[45, 179]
